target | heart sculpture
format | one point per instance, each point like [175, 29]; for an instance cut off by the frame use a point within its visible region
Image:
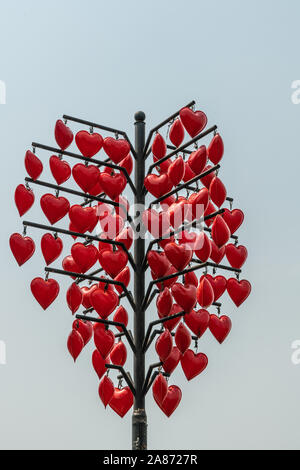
[169, 282]
[86, 295]
[208, 214]
[127, 164]
[69, 264]
[88, 144]
[121, 316]
[205, 293]
[176, 171]
[238, 291]
[185, 296]
[199, 203]
[75, 344]
[84, 328]
[219, 285]
[121, 401]
[44, 291]
[106, 390]
[233, 219]
[197, 160]
[159, 147]
[163, 345]
[83, 217]
[112, 184]
[160, 388]
[171, 324]
[176, 133]
[197, 321]
[113, 262]
[164, 166]
[220, 232]
[74, 297]
[63, 135]
[203, 247]
[60, 169]
[99, 363]
[220, 327]
[124, 277]
[178, 255]
[172, 360]
[171, 401]
[24, 199]
[193, 121]
[182, 338]
[118, 354]
[164, 303]
[191, 278]
[178, 212]
[158, 263]
[104, 302]
[86, 176]
[217, 192]
[193, 364]
[158, 224]
[215, 149]
[206, 180]
[158, 185]
[22, 247]
[54, 208]
[85, 256]
[236, 255]
[188, 173]
[104, 340]
[217, 254]
[116, 149]
[51, 247]
[33, 165]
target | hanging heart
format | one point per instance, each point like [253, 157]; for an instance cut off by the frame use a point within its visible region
[178, 212]
[205, 293]
[197, 321]
[217, 192]
[21, 247]
[54, 208]
[159, 147]
[88, 144]
[206, 180]
[215, 149]
[24, 199]
[188, 173]
[121, 316]
[220, 232]
[178, 255]
[85, 256]
[158, 185]
[164, 166]
[51, 247]
[125, 237]
[209, 210]
[163, 345]
[69, 264]
[75, 344]
[176, 171]
[158, 263]
[191, 278]
[60, 169]
[86, 176]
[112, 184]
[116, 149]
[171, 324]
[193, 121]
[169, 282]
[99, 363]
[220, 327]
[45, 292]
[171, 401]
[96, 190]
[172, 360]
[188, 239]
[127, 164]
[233, 219]
[86, 295]
[182, 338]
[197, 160]
[157, 223]
[113, 262]
[104, 302]
[74, 297]
[84, 328]
[176, 133]
[106, 390]
[122, 401]
[33, 165]
[193, 364]
[199, 202]
[160, 388]
[63, 135]
[217, 254]
[112, 225]
[104, 340]
[238, 291]
[124, 277]
[185, 296]
[218, 283]
[83, 217]
[118, 354]
[236, 255]
[164, 303]
[203, 247]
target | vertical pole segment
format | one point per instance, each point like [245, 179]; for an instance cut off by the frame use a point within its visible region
[139, 418]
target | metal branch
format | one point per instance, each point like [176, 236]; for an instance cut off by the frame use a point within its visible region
[172, 147]
[124, 374]
[156, 291]
[151, 368]
[147, 343]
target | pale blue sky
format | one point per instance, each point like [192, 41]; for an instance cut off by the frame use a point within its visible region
[103, 61]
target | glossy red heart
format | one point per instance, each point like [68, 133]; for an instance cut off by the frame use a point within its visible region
[236, 255]
[220, 232]
[127, 164]
[168, 282]
[188, 239]
[159, 147]
[183, 338]
[118, 354]
[197, 321]
[172, 360]
[238, 291]
[122, 401]
[74, 297]
[163, 345]
[88, 144]
[206, 180]
[171, 324]
[85, 176]
[99, 363]
[217, 254]
[63, 135]
[160, 388]
[75, 344]
[96, 190]
[185, 296]
[83, 217]
[188, 173]
[178, 255]
[209, 210]
[217, 192]
[54, 208]
[113, 262]
[191, 278]
[163, 167]
[104, 340]
[157, 223]
[69, 264]
[33, 165]
[106, 390]
[112, 184]
[121, 316]
[158, 185]
[193, 121]
[45, 292]
[124, 277]
[22, 247]
[85, 256]
[178, 212]
[193, 364]
[104, 302]
[233, 219]
[84, 328]
[60, 169]
[51, 247]
[219, 284]
[164, 303]
[220, 327]
[24, 199]
[197, 160]
[125, 237]
[176, 133]
[203, 246]
[215, 149]
[176, 171]
[86, 295]
[205, 293]
[171, 401]
[116, 149]
[112, 225]
[199, 202]
[158, 263]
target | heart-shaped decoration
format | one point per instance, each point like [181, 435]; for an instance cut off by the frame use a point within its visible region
[127, 164]
[106, 390]
[60, 169]
[203, 247]
[22, 247]
[205, 293]
[171, 324]
[157, 223]
[215, 149]
[171, 401]
[236, 255]
[233, 219]
[209, 210]
[176, 133]
[96, 190]
[75, 344]
[185, 296]
[99, 363]
[51, 247]
[112, 225]
[178, 255]
[163, 345]
[158, 185]
[220, 327]
[197, 160]
[121, 316]
[85, 256]
[118, 354]
[169, 282]
[176, 171]
[84, 328]
[217, 254]
[45, 292]
[199, 202]
[193, 364]
[113, 184]
[104, 302]
[206, 180]
[160, 388]
[219, 284]
[197, 321]
[158, 263]
[104, 340]
[164, 166]
[183, 338]
[121, 401]
[24, 199]
[178, 212]
[116, 149]
[74, 297]
[191, 278]
[172, 360]
[220, 232]
[217, 192]
[54, 208]
[88, 144]
[126, 237]
[188, 173]
[113, 262]
[238, 291]
[188, 238]
[164, 303]
[124, 277]
[69, 264]
[83, 217]
[193, 121]
[33, 165]
[159, 147]
[86, 176]
[63, 135]
[86, 295]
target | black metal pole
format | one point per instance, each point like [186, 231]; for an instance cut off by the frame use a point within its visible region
[139, 418]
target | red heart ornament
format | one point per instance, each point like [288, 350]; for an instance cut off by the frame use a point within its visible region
[209, 210]
[205, 293]
[217, 254]
[168, 282]
[158, 224]
[159, 147]
[60, 169]
[178, 212]
[164, 166]
[106, 390]
[88, 144]
[22, 247]
[206, 180]
[193, 121]
[45, 292]
[171, 324]
[188, 173]
[171, 401]
[118, 354]
[189, 239]
[238, 291]
[215, 149]
[124, 277]
[24, 199]
[74, 297]
[122, 401]
[217, 192]
[125, 237]
[84, 328]
[163, 345]
[104, 340]
[176, 133]
[220, 327]
[191, 278]
[121, 316]
[185, 296]
[113, 262]
[158, 185]
[104, 302]
[197, 160]
[69, 264]
[218, 283]
[183, 338]
[193, 364]
[164, 303]
[158, 263]
[86, 176]
[220, 232]
[236, 255]
[51, 247]
[172, 360]
[112, 225]
[197, 321]
[63, 135]
[199, 203]
[75, 344]
[33, 165]
[54, 208]
[178, 255]
[112, 184]
[203, 246]
[86, 293]
[85, 256]
[160, 388]
[233, 219]
[83, 217]
[116, 149]
[127, 163]
[99, 363]
[176, 171]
